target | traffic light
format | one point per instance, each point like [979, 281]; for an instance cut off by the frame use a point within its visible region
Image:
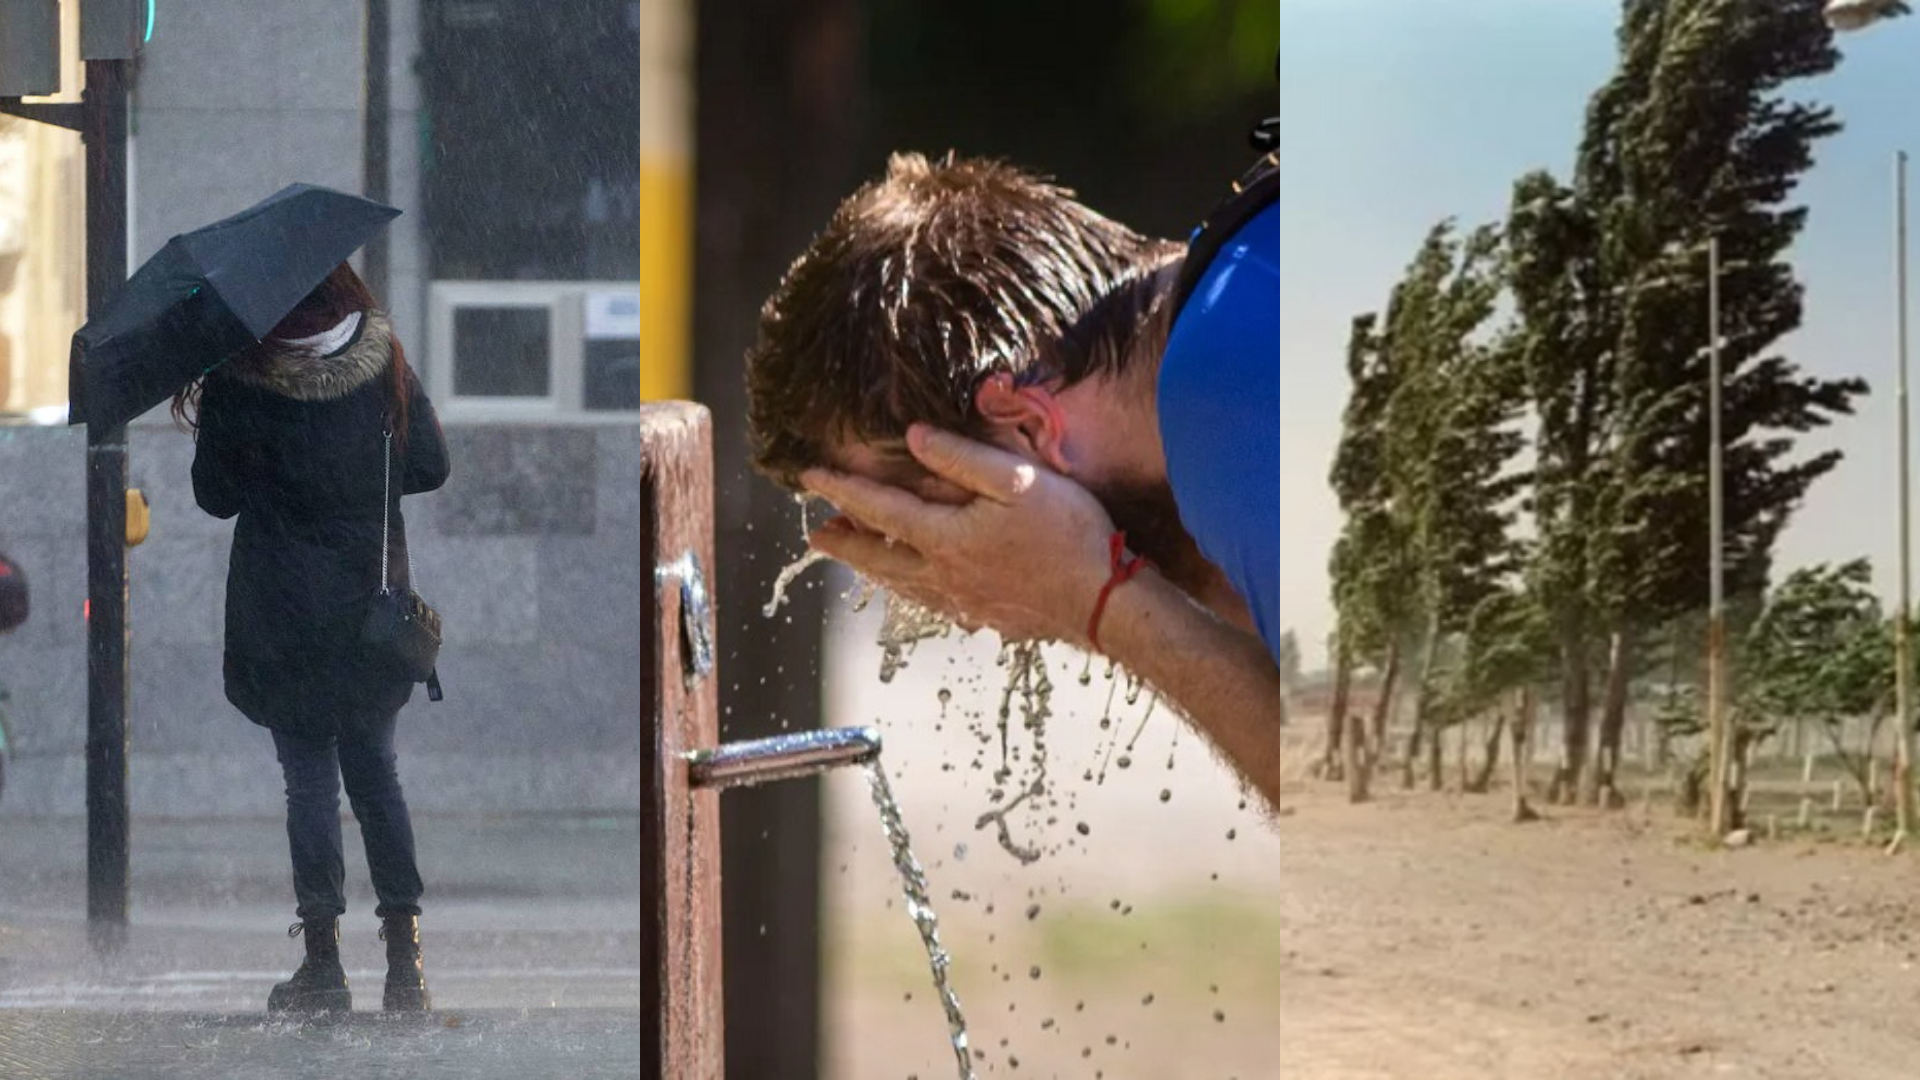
[113, 29]
[29, 47]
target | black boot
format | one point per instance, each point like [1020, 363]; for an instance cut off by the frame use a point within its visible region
[321, 983]
[406, 975]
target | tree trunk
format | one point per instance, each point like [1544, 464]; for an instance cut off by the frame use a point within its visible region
[1415, 743]
[1690, 802]
[1383, 705]
[1334, 760]
[1523, 720]
[1436, 743]
[1355, 750]
[1576, 721]
[1460, 756]
[1422, 702]
[1604, 790]
[1483, 779]
[1739, 760]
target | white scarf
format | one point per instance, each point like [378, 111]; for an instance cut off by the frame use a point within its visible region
[327, 342]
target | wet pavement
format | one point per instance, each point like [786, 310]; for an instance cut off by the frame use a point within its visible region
[530, 929]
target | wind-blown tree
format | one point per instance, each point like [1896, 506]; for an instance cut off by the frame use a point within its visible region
[1450, 441]
[1689, 139]
[1820, 651]
[1693, 139]
[1508, 652]
[1561, 301]
[1366, 558]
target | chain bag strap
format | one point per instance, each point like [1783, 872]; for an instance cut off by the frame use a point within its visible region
[401, 629]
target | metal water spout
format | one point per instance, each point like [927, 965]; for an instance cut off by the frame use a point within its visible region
[782, 757]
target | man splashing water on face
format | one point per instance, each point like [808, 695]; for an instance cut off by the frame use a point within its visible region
[1034, 419]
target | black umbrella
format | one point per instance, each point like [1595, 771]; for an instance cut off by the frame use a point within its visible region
[211, 293]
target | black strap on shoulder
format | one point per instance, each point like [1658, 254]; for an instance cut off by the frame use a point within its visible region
[1257, 188]
[1266, 135]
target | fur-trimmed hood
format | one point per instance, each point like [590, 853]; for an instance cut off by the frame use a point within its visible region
[305, 376]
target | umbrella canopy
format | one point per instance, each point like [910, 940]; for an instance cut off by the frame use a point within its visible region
[209, 294]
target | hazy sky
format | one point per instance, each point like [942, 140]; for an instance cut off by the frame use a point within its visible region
[1396, 113]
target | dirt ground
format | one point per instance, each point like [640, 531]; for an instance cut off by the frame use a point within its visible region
[1426, 937]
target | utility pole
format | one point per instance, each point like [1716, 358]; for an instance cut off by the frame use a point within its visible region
[105, 135]
[1718, 810]
[1902, 657]
[375, 136]
[110, 36]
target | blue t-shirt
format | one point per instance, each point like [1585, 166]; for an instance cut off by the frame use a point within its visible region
[1219, 404]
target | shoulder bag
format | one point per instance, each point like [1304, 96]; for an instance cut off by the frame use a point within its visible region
[401, 633]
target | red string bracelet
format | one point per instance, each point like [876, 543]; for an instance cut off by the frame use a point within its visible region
[1123, 569]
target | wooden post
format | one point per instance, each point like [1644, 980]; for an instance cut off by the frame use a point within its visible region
[681, 1004]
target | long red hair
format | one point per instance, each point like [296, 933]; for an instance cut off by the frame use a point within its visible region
[340, 294]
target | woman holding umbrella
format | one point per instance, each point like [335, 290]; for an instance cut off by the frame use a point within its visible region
[310, 438]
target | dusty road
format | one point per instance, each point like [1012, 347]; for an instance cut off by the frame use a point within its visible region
[1424, 937]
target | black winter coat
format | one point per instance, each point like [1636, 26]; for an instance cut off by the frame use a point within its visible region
[292, 444]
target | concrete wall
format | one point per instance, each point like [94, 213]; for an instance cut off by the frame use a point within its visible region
[531, 553]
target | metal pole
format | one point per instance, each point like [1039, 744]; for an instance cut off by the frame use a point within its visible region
[104, 131]
[1902, 673]
[375, 120]
[1716, 610]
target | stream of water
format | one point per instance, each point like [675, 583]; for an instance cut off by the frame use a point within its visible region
[913, 883]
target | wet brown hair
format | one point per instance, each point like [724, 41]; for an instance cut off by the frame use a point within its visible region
[340, 294]
[922, 284]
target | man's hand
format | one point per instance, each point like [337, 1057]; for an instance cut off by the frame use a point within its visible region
[1027, 556]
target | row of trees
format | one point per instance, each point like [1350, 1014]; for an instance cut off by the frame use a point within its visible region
[1524, 461]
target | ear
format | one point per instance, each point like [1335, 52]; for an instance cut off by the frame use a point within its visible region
[1025, 419]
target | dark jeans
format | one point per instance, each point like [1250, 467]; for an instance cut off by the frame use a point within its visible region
[363, 755]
